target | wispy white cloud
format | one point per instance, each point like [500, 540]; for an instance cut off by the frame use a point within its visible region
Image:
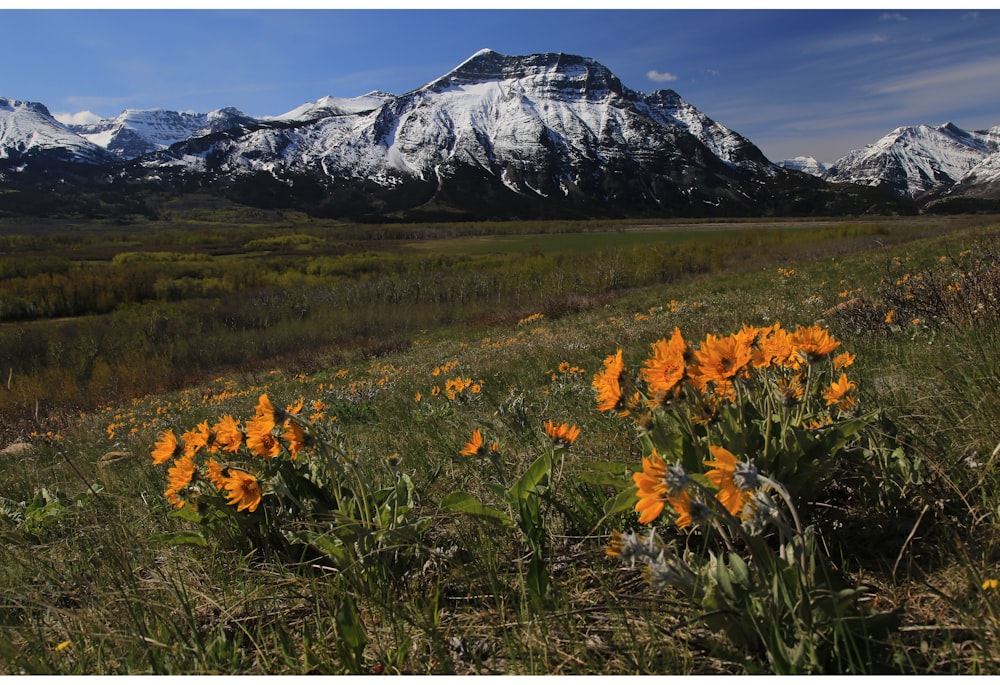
[660, 76]
[971, 16]
[100, 103]
[972, 73]
[893, 16]
[879, 38]
[85, 117]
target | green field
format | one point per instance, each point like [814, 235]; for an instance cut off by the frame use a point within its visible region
[394, 543]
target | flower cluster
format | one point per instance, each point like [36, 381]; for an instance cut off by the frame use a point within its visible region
[459, 388]
[955, 290]
[771, 395]
[715, 371]
[737, 432]
[206, 459]
[737, 486]
[565, 369]
[531, 319]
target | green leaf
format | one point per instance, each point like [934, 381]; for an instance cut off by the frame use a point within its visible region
[464, 503]
[605, 466]
[330, 546]
[740, 570]
[351, 635]
[605, 480]
[11, 511]
[186, 513]
[538, 580]
[625, 500]
[614, 474]
[534, 480]
[497, 490]
[724, 581]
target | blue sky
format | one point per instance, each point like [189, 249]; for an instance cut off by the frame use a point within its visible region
[795, 82]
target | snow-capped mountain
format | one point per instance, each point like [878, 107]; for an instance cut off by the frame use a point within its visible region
[916, 160]
[27, 128]
[331, 107]
[545, 126]
[807, 165]
[136, 132]
[535, 135]
[982, 180]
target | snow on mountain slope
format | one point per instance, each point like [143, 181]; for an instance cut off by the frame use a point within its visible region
[332, 106]
[540, 124]
[496, 135]
[808, 165]
[28, 127]
[136, 132]
[728, 145]
[914, 160]
[982, 180]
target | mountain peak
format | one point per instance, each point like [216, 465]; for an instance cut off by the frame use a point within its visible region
[555, 69]
[11, 104]
[548, 132]
[808, 165]
[912, 161]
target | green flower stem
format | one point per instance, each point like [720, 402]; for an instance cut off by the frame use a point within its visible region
[806, 394]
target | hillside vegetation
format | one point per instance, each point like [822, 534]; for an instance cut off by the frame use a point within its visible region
[542, 449]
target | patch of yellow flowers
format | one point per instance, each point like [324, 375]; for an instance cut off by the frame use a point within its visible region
[763, 379]
[206, 457]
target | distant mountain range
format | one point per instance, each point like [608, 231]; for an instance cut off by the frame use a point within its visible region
[926, 162]
[542, 135]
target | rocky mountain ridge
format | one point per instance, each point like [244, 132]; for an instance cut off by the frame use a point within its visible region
[923, 161]
[498, 136]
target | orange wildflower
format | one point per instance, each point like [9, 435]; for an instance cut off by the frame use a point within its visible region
[789, 390]
[180, 475]
[166, 448]
[608, 384]
[650, 488]
[173, 498]
[260, 440]
[689, 511]
[776, 349]
[472, 447]
[216, 473]
[843, 360]
[228, 435]
[720, 359]
[723, 476]
[244, 491]
[814, 343]
[477, 448]
[266, 414]
[196, 438]
[656, 485]
[562, 434]
[666, 368]
[296, 437]
[752, 335]
[703, 410]
[841, 393]
[615, 544]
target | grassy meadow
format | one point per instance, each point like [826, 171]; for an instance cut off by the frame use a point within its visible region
[411, 449]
